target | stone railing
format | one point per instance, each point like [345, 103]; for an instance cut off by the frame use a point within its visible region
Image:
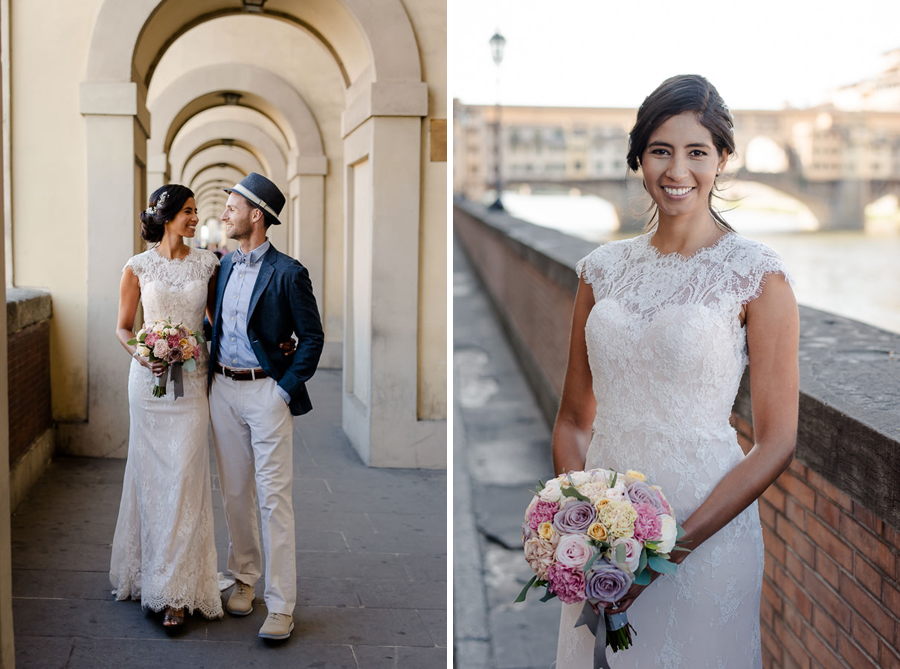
[831, 522]
[31, 443]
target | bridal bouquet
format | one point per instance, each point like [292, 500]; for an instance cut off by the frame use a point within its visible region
[589, 535]
[173, 344]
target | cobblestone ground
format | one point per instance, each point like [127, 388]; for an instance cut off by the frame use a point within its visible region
[501, 449]
[371, 563]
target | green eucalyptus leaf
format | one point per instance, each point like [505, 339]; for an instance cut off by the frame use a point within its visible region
[190, 365]
[679, 532]
[132, 342]
[590, 563]
[548, 596]
[521, 597]
[643, 578]
[661, 565]
[620, 553]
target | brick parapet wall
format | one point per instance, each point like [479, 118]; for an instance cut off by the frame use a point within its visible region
[28, 350]
[830, 591]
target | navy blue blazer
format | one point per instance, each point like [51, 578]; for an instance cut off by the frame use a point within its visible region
[281, 304]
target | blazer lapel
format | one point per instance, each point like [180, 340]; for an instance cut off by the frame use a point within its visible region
[224, 274]
[266, 270]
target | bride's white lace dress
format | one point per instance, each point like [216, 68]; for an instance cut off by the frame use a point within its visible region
[667, 352]
[163, 551]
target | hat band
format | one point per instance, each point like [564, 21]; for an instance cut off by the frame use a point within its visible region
[258, 201]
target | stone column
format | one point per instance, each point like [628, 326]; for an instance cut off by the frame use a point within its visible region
[116, 121]
[382, 154]
[306, 232]
[157, 171]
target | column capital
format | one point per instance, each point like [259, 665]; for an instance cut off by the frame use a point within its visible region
[393, 98]
[111, 98]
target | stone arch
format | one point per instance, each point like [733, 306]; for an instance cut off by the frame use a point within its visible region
[249, 136]
[220, 154]
[260, 89]
[763, 154]
[370, 39]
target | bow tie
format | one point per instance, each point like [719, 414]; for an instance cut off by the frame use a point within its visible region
[242, 260]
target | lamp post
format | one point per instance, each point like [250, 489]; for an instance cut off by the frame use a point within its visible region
[497, 43]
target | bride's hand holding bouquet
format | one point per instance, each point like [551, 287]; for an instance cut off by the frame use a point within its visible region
[166, 345]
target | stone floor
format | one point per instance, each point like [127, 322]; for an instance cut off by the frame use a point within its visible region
[371, 561]
[501, 447]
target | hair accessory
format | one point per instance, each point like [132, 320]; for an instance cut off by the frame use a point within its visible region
[151, 210]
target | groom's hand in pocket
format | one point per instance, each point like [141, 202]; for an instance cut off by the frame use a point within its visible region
[288, 347]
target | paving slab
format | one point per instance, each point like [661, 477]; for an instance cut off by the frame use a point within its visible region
[501, 450]
[371, 556]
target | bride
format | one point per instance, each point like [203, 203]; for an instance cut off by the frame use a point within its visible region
[163, 551]
[663, 327]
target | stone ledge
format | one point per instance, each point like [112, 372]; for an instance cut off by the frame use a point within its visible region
[849, 428]
[26, 306]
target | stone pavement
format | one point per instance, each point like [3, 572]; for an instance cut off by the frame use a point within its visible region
[501, 448]
[371, 561]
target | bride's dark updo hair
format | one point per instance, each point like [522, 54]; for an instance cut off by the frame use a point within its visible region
[674, 96]
[165, 203]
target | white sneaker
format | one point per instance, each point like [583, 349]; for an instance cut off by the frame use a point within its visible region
[277, 626]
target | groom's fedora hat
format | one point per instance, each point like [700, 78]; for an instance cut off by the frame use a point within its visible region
[261, 193]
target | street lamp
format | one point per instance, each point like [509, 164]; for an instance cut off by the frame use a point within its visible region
[497, 43]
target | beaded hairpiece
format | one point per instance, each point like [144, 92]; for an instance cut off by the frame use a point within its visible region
[151, 210]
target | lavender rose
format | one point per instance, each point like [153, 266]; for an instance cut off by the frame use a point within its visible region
[640, 493]
[568, 584]
[606, 582]
[175, 355]
[574, 518]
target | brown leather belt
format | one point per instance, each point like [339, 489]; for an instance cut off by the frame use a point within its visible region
[241, 374]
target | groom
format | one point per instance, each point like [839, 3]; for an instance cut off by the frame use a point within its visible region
[263, 298]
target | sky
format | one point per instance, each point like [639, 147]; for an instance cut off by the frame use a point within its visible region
[761, 54]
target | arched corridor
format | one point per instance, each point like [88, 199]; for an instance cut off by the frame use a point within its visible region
[332, 100]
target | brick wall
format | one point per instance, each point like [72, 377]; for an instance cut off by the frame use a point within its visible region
[29, 387]
[830, 591]
[830, 595]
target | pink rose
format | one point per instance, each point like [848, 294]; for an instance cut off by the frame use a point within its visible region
[542, 511]
[573, 551]
[568, 584]
[151, 339]
[647, 527]
[174, 340]
[161, 349]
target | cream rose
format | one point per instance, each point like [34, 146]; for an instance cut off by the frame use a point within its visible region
[669, 533]
[142, 351]
[618, 493]
[593, 491]
[551, 492]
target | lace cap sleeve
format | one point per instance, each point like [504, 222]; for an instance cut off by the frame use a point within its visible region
[136, 263]
[588, 268]
[208, 261]
[751, 265]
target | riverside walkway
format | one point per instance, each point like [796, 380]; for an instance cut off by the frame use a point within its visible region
[371, 563]
[501, 447]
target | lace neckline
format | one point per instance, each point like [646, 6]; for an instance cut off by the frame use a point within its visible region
[677, 256]
[155, 252]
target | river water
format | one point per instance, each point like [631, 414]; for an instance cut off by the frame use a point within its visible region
[853, 274]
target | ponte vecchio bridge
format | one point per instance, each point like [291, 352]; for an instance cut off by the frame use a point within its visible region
[835, 162]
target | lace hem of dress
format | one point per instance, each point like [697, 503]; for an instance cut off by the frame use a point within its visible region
[208, 609]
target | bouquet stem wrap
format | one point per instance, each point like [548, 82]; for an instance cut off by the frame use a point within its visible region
[159, 388]
[615, 624]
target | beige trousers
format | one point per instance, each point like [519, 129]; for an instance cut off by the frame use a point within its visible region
[253, 434]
